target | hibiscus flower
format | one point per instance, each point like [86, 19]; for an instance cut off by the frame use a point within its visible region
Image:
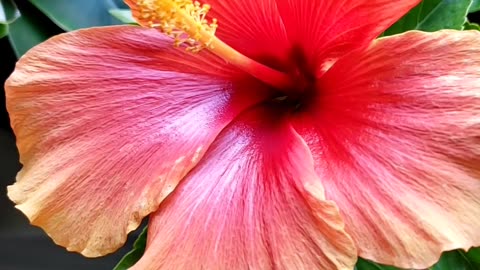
[259, 134]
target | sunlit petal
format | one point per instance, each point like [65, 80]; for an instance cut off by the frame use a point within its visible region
[253, 202]
[323, 30]
[395, 136]
[108, 121]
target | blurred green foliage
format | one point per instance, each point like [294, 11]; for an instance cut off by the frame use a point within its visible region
[28, 23]
[433, 15]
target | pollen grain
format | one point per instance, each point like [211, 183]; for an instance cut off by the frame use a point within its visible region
[183, 20]
[187, 23]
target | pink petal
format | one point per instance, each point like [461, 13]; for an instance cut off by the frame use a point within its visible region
[253, 202]
[253, 27]
[323, 30]
[396, 141]
[108, 121]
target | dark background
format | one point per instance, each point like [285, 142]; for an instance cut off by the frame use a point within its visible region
[22, 246]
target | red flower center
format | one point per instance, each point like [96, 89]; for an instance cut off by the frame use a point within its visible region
[304, 87]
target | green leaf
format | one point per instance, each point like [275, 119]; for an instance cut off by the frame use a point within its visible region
[24, 34]
[471, 26]
[123, 15]
[120, 4]
[458, 260]
[8, 14]
[8, 11]
[475, 6]
[363, 264]
[3, 30]
[135, 254]
[75, 14]
[30, 29]
[433, 15]
[474, 256]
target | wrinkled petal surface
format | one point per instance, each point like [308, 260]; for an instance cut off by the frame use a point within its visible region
[323, 30]
[253, 27]
[253, 202]
[275, 31]
[108, 121]
[395, 135]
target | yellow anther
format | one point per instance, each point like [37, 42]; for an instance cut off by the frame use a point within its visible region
[186, 22]
[183, 20]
